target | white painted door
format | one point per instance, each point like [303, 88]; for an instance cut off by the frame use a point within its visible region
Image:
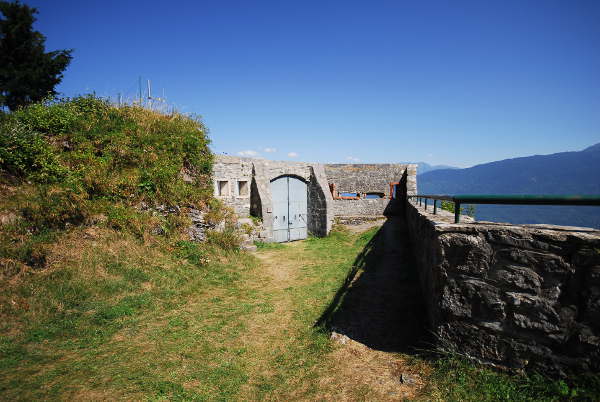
[289, 209]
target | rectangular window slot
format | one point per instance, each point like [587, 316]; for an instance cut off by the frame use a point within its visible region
[243, 188]
[223, 188]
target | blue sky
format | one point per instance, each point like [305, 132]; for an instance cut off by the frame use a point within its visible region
[445, 82]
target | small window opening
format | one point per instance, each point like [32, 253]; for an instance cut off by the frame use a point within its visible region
[394, 189]
[242, 188]
[348, 196]
[374, 195]
[223, 188]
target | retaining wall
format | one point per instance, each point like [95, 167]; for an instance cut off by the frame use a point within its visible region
[521, 297]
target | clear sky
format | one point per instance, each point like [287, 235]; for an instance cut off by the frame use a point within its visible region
[445, 82]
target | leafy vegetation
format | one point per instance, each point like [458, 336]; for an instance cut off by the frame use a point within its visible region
[92, 249]
[450, 207]
[82, 161]
[27, 72]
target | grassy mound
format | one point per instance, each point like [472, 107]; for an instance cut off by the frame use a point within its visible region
[85, 243]
[85, 162]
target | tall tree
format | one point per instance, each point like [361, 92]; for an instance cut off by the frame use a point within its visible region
[27, 73]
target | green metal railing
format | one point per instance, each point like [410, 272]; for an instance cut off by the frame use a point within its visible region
[520, 199]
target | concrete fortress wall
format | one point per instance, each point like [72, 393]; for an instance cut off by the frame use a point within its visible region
[521, 297]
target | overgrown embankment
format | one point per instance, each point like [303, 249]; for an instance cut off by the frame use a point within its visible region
[84, 162]
[93, 226]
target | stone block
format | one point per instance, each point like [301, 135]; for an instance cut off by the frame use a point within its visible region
[472, 299]
[514, 277]
[533, 312]
[466, 253]
[587, 257]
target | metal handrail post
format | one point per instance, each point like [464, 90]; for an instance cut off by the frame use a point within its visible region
[456, 212]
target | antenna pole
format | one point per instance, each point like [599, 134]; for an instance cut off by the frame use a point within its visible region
[140, 89]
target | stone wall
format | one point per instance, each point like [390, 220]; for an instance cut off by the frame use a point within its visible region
[362, 207]
[258, 202]
[370, 178]
[320, 203]
[232, 171]
[244, 184]
[523, 297]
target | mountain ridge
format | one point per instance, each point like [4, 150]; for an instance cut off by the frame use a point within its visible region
[570, 172]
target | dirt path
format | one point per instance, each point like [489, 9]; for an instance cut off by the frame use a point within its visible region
[371, 326]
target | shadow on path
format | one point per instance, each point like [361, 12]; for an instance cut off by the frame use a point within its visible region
[380, 304]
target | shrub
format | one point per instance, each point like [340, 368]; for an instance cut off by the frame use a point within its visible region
[449, 206]
[83, 161]
[49, 116]
[193, 253]
[228, 239]
[53, 207]
[25, 153]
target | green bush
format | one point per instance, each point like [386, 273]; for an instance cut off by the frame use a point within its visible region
[228, 239]
[53, 207]
[48, 117]
[193, 253]
[62, 116]
[92, 152]
[25, 153]
[449, 206]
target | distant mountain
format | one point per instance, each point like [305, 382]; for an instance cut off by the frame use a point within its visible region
[423, 167]
[560, 173]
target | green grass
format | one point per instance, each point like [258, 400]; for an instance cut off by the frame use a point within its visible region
[119, 317]
[127, 320]
[261, 245]
[455, 379]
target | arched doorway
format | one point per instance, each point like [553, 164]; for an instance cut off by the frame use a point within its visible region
[289, 195]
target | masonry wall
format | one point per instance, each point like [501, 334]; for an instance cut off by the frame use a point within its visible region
[521, 297]
[233, 170]
[363, 178]
[370, 178]
[320, 203]
[362, 207]
[258, 202]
